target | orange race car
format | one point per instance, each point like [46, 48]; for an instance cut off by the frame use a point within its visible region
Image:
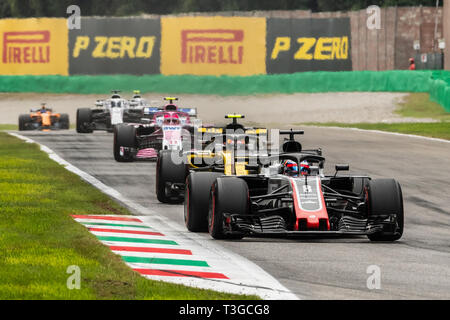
[43, 119]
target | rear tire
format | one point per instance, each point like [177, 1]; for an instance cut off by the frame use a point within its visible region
[124, 136]
[84, 116]
[64, 121]
[168, 172]
[385, 197]
[196, 200]
[228, 195]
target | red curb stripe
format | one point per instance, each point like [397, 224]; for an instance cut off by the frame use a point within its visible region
[181, 273]
[126, 231]
[156, 250]
[105, 218]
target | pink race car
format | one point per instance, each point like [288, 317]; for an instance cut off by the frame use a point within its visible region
[168, 128]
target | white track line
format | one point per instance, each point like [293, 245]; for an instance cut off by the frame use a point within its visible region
[245, 276]
[384, 132]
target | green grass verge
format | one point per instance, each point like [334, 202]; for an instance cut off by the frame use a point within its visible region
[8, 127]
[4, 127]
[418, 105]
[434, 130]
[415, 105]
[39, 239]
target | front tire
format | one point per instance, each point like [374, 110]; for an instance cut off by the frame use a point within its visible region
[196, 200]
[84, 117]
[64, 121]
[228, 195]
[385, 198]
[168, 173]
[124, 136]
[24, 119]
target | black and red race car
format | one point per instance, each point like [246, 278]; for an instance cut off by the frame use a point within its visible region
[269, 202]
[168, 128]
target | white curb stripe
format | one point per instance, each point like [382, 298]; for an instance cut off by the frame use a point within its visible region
[130, 235]
[143, 245]
[131, 229]
[157, 255]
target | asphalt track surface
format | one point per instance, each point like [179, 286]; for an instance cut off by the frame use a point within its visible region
[416, 267]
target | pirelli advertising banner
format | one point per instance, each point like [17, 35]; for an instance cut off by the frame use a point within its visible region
[213, 46]
[115, 46]
[34, 47]
[295, 45]
[240, 46]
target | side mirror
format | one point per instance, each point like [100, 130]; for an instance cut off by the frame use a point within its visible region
[342, 167]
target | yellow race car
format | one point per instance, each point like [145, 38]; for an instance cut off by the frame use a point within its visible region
[44, 119]
[223, 150]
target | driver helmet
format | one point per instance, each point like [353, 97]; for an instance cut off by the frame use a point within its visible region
[171, 119]
[290, 168]
[43, 108]
[305, 168]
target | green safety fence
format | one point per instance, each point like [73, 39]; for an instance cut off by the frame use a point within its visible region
[440, 89]
[437, 83]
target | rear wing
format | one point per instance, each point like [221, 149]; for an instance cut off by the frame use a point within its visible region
[291, 133]
[39, 109]
[212, 130]
[256, 131]
[150, 111]
[247, 131]
[192, 112]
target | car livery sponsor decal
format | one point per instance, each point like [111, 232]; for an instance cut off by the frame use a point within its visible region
[171, 128]
[309, 203]
[307, 191]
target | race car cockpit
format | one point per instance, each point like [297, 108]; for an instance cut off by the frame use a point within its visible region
[136, 94]
[115, 94]
[171, 119]
[117, 104]
[234, 125]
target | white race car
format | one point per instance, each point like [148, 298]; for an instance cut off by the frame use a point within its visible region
[107, 114]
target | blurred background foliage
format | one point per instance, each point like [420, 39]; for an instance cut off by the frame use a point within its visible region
[57, 8]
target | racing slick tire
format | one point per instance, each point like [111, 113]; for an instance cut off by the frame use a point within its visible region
[23, 120]
[64, 121]
[124, 136]
[384, 198]
[196, 200]
[227, 195]
[168, 172]
[84, 115]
